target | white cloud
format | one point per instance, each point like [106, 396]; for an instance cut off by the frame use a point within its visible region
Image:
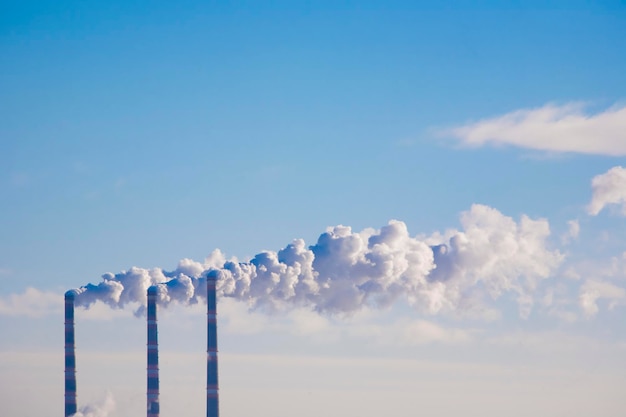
[564, 315]
[571, 273]
[608, 188]
[557, 302]
[31, 303]
[368, 326]
[388, 330]
[419, 332]
[100, 311]
[592, 291]
[573, 230]
[553, 128]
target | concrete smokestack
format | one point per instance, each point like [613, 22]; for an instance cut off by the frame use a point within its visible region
[70, 355]
[153, 355]
[212, 397]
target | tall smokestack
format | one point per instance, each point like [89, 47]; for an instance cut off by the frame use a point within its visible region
[212, 397]
[153, 355]
[70, 356]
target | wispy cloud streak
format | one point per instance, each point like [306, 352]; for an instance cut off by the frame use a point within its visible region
[551, 128]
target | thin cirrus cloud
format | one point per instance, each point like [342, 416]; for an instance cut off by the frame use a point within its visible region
[552, 128]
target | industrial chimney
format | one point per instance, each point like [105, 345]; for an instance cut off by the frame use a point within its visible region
[212, 397]
[70, 355]
[153, 355]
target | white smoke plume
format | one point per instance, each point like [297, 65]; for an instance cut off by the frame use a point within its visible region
[494, 255]
[101, 409]
[345, 270]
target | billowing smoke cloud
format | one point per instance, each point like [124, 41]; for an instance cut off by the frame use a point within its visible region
[451, 272]
[185, 285]
[494, 255]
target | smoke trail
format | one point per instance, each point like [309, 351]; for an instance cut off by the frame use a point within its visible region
[345, 270]
[101, 409]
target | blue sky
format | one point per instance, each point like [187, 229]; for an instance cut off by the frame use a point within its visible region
[141, 133]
